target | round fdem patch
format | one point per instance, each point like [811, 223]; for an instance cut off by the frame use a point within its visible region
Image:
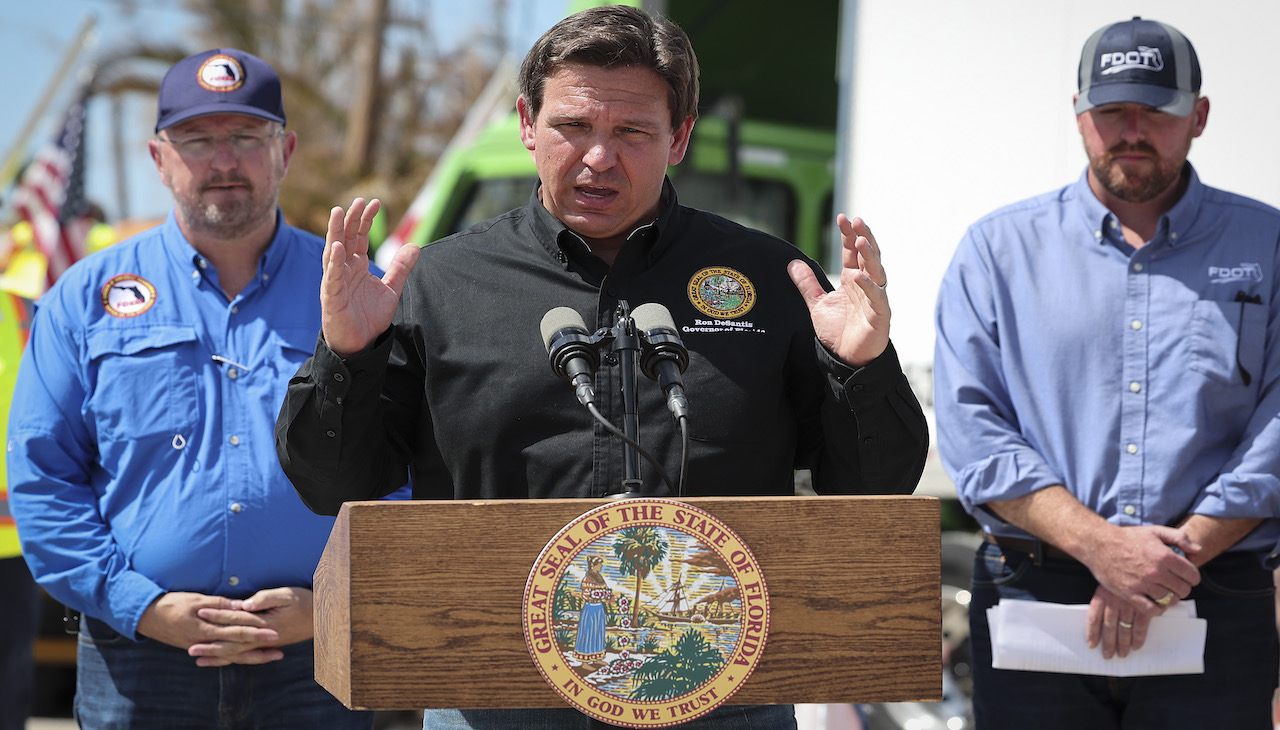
[128, 295]
[646, 612]
[220, 72]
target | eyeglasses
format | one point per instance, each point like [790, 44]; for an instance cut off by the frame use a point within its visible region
[202, 147]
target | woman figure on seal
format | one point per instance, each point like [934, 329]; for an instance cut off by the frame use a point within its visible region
[589, 645]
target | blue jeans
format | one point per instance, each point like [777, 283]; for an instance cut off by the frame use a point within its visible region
[122, 684]
[1242, 654]
[729, 717]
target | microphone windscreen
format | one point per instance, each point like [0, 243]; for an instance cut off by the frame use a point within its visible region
[557, 320]
[652, 316]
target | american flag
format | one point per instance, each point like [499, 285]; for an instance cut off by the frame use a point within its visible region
[50, 195]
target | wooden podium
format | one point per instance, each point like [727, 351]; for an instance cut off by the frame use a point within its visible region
[418, 604]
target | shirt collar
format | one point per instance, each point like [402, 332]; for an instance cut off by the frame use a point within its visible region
[186, 255]
[560, 242]
[1182, 216]
[1174, 224]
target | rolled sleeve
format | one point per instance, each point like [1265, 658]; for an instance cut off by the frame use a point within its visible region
[1003, 477]
[979, 439]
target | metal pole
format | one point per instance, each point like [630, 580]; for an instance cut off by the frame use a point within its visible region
[627, 348]
[82, 42]
[118, 154]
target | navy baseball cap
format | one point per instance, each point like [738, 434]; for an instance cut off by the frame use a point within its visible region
[1141, 62]
[220, 81]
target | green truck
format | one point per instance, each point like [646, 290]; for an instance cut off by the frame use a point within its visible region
[763, 151]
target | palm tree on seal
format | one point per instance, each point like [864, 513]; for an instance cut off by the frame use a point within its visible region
[639, 550]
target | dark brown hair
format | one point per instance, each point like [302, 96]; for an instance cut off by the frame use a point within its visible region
[616, 36]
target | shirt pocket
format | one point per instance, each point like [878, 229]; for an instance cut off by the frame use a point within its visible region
[146, 382]
[1226, 340]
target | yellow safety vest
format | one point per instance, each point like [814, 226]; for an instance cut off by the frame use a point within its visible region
[15, 323]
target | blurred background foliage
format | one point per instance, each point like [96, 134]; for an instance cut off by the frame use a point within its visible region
[372, 92]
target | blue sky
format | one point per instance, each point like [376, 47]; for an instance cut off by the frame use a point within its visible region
[34, 36]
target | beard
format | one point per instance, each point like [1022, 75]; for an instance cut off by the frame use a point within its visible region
[229, 218]
[1128, 182]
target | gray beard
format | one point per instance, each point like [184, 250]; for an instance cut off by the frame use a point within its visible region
[226, 221]
[229, 220]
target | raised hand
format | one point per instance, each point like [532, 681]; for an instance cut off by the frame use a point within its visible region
[357, 306]
[852, 321]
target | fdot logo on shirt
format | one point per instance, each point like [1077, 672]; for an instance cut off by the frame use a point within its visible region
[1117, 61]
[128, 295]
[1240, 272]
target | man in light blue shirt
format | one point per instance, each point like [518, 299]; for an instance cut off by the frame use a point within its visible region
[142, 468]
[1107, 398]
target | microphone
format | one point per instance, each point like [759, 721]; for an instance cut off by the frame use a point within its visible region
[664, 356]
[572, 355]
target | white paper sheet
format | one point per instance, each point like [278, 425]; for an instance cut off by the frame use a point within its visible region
[1050, 637]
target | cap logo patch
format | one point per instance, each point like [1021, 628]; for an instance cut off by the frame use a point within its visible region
[1145, 57]
[128, 295]
[221, 73]
[719, 291]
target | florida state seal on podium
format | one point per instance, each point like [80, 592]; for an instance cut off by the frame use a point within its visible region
[646, 612]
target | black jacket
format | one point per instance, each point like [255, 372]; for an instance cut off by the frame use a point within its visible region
[459, 389]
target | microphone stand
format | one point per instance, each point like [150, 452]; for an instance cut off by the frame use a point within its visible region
[575, 356]
[626, 348]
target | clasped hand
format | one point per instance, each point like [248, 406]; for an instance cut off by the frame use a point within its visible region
[219, 631]
[1139, 577]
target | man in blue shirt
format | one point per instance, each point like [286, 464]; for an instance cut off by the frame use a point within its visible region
[142, 471]
[1107, 398]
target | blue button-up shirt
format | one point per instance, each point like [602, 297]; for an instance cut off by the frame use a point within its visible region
[1143, 380]
[141, 453]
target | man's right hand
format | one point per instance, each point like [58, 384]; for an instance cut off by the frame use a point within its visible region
[1137, 565]
[355, 305]
[1140, 577]
[174, 620]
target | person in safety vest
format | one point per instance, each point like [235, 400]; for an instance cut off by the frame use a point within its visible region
[19, 596]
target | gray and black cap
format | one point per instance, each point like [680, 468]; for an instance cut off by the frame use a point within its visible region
[1142, 62]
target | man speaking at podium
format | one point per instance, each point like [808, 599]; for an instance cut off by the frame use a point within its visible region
[438, 367]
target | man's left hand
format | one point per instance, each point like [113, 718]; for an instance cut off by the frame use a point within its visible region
[852, 321]
[286, 610]
[1116, 624]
